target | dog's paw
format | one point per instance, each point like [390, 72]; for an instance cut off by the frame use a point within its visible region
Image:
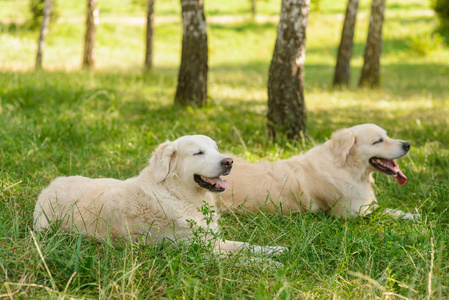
[270, 250]
[402, 214]
[410, 216]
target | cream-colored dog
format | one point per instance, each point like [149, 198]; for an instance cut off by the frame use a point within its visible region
[335, 177]
[162, 202]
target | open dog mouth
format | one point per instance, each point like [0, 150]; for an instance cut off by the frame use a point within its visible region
[215, 184]
[389, 167]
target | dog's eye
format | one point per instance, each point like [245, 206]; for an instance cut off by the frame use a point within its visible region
[381, 140]
[199, 153]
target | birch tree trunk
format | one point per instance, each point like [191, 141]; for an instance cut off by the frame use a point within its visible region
[343, 68]
[371, 66]
[253, 8]
[286, 104]
[192, 78]
[89, 39]
[43, 33]
[149, 36]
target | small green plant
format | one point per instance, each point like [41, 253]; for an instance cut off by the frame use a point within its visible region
[203, 237]
[424, 44]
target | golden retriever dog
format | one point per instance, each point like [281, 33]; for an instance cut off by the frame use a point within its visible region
[163, 201]
[335, 177]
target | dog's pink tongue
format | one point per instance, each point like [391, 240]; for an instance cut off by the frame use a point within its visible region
[400, 178]
[392, 164]
[222, 183]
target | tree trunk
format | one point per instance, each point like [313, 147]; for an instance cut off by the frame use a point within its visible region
[371, 66]
[343, 68]
[149, 49]
[192, 79]
[286, 104]
[253, 8]
[89, 40]
[43, 33]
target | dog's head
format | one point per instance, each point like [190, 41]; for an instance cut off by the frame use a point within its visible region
[194, 160]
[369, 147]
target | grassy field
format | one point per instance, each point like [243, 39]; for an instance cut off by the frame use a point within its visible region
[63, 121]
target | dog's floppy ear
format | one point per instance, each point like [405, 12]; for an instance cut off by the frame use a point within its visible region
[341, 144]
[163, 161]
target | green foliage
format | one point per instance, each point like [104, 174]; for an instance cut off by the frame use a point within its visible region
[315, 5]
[441, 8]
[425, 44]
[37, 11]
[143, 4]
[203, 237]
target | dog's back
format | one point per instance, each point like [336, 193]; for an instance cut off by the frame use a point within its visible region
[268, 184]
[78, 201]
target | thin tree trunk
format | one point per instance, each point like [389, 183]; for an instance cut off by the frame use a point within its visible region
[343, 68]
[253, 8]
[371, 66]
[286, 104]
[43, 33]
[149, 40]
[192, 79]
[89, 40]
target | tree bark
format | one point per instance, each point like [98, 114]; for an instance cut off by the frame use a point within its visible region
[89, 39]
[192, 78]
[343, 68]
[371, 66]
[286, 104]
[253, 8]
[149, 36]
[43, 33]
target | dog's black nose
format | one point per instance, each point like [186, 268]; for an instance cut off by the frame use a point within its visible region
[406, 146]
[227, 162]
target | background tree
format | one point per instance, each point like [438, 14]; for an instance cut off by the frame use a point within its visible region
[192, 78]
[441, 8]
[343, 67]
[286, 104]
[371, 65]
[43, 33]
[253, 8]
[89, 39]
[37, 13]
[149, 35]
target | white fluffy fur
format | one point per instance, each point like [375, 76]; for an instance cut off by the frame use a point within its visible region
[334, 177]
[155, 204]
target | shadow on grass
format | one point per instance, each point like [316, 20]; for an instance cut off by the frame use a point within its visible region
[396, 79]
[14, 28]
[248, 25]
[389, 47]
[136, 97]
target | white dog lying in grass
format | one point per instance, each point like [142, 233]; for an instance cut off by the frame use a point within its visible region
[335, 177]
[162, 202]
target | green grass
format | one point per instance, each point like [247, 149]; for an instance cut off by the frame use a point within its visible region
[63, 121]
